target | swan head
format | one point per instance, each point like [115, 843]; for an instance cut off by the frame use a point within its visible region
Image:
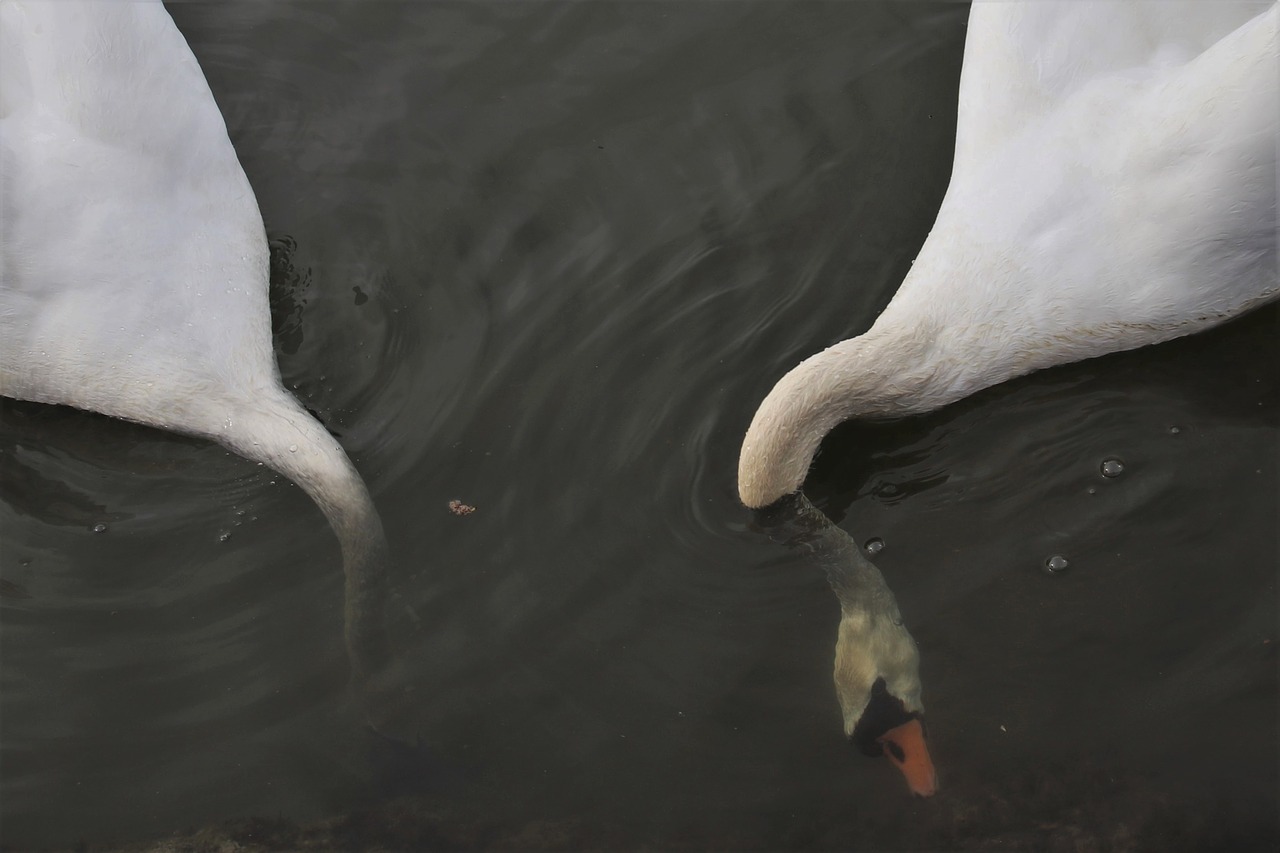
[877, 677]
[877, 665]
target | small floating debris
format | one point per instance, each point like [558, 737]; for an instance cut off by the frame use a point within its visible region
[100, 527]
[457, 507]
[1173, 430]
[224, 535]
[874, 545]
[1057, 564]
[1111, 468]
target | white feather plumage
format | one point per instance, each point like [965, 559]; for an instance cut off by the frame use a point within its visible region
[133, 260]
[1114, 186]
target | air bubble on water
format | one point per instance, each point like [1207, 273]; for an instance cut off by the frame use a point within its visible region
[1173, 430]
[1056, 564]
[1111, 467]
[100, 527]
[874, 545]
[293, 448]
[1092, 490]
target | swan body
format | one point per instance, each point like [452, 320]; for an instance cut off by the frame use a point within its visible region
[134, 262]
[1114, 185]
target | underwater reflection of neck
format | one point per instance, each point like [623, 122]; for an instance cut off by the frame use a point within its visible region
[877, 665]
[795, 522]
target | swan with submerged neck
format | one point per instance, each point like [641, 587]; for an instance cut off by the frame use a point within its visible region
[134, 262]
[877, 668]
[1114, 186]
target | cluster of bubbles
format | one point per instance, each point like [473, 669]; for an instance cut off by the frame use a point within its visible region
[1111, 467]
[225, 533]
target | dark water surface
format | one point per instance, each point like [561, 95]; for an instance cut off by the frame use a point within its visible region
[547, 258]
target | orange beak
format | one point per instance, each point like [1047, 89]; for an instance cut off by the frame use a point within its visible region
[911, 756]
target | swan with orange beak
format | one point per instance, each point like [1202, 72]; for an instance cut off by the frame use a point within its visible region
[1114, 186]
[877, 667]
[878, 684]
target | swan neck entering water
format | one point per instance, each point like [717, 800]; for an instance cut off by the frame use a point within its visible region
[277, 431]
[879, 374]
[873, 642]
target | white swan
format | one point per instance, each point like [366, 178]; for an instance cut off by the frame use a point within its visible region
[133, 270]
[1114, 185]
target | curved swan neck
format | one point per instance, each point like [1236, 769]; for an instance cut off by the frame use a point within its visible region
[274, 429]
[880, 374]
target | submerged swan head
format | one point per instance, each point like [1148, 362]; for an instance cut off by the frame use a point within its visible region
[877, 666]
[877, 678]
